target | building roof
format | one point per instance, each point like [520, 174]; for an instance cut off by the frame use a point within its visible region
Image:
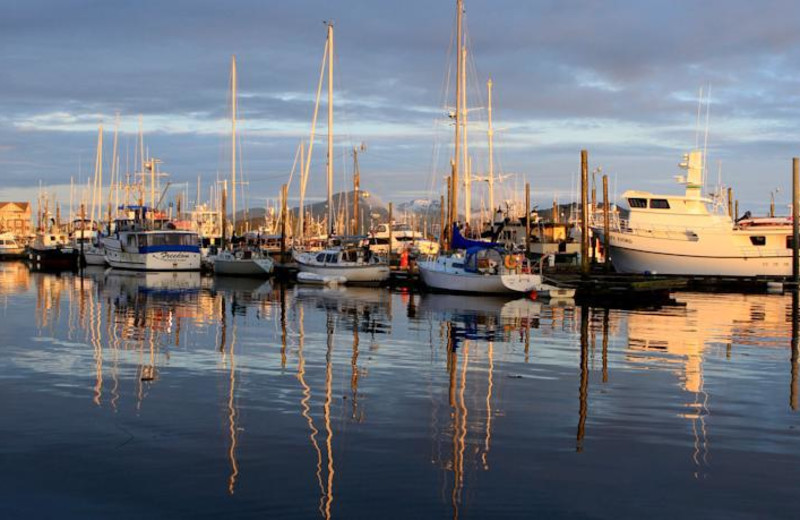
[23, 206]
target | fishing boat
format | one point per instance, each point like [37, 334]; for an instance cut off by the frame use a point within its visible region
[10, 249]
[52, 250]
[134, 246]
[355, 264]
[693, 234]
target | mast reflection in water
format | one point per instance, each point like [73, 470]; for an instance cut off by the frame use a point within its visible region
[173, 395]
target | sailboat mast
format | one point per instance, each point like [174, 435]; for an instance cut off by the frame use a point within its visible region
[97, 200]
[114, 183]
[490, 133]
[233, 141]
[330, 129]
[465, 146]
[456, 160]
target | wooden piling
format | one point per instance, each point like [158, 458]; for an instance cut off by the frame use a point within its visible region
[224, 213]
[441, 223]
[795, 228]
[606, 225]
[453, 195]
[584, 212]
[284, 215]
[736, 210]
[730, 202]
[391, 235]
[527, 219]
[83, 237]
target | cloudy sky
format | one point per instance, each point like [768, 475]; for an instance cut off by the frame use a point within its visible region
[620, 78]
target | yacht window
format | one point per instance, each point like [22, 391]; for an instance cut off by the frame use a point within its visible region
[332, 258]
[637, 203]
[321, 257]
[758, 240]
[789, 242]
[659, 204]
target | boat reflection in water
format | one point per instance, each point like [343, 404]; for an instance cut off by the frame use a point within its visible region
[341, 402]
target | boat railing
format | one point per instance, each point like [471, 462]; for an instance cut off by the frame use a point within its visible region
[765, 252]
[654, 230]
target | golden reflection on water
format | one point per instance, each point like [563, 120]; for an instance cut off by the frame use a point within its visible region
[119, 316]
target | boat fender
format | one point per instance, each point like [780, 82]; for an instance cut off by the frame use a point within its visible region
[533, 295]
[510, 262]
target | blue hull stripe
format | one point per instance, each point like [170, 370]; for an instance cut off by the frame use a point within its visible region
[169, 249]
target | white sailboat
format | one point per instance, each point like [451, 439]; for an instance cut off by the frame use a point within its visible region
[692, 234]
[350, 263]
[242, 261]
[475, 266]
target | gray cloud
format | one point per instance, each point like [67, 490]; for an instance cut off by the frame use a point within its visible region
[619, 78]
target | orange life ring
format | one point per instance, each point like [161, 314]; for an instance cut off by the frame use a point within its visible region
[510, 262]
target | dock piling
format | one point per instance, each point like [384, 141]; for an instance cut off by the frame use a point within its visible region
[527, 220]
[606, 225]
[584, 212]
[795, 228]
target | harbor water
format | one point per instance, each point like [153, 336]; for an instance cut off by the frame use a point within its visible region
[172, 395]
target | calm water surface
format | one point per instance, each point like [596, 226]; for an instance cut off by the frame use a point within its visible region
[171, 395]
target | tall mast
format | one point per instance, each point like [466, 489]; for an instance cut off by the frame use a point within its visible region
[114, 183]
[330, 128]
[456, 160]
[356, 186]
[490, 133]
[233, 141]
[465, 149]
[97, 199]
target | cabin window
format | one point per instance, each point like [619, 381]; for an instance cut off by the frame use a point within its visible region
[659, 204]
[637, 203]
[331, 258]
[758, 240]
[321, 257]
[789, 242]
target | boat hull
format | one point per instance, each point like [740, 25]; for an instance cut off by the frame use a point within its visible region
[703, 257]
[94, 256]
[438, 279]
[256, 267]
[153, 261]
[12, 253]
[54, 259]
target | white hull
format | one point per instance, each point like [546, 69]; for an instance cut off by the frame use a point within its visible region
[243, 267]
[369, 271]
[441, 279]
[353, 274]
[158, 261]
[94, 256]
[710, 255]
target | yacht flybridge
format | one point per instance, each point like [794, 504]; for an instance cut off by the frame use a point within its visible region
[691, 234]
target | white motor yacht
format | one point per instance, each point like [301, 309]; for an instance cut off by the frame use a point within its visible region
[692, 234]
